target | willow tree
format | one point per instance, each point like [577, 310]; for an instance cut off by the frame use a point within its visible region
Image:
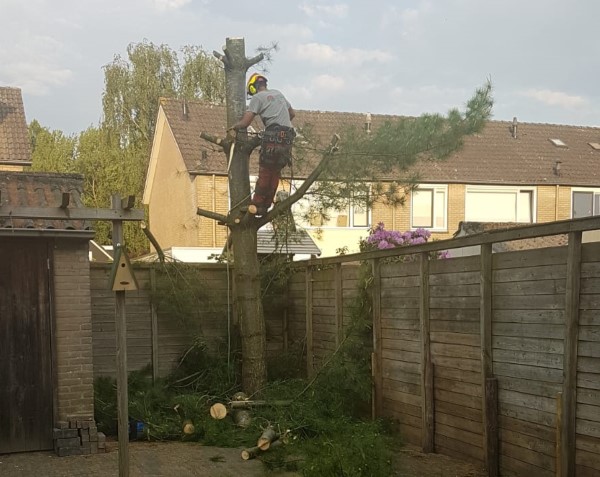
[341, 172]
[133, 85]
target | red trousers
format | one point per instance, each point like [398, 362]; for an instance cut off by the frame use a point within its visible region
[275, 154]
[266, 185]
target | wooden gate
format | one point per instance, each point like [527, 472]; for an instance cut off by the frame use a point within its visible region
[26, 385]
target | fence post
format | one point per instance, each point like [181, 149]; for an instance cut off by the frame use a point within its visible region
[154, 326]
[339, 305]
[489, 401]
[310, 361]
[558, 434]
[427, 399]
[376, 358]
[569, 394]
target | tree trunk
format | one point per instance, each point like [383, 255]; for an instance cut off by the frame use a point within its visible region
[243, 234]
[250, 310]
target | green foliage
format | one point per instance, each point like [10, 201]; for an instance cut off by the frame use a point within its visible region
[52, 151]
[354, 174]
[181, 292]
[113, 157]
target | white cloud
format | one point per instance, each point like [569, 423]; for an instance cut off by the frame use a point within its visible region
[555, 98]
[409, 19]
[33, 64]
[163, 5]
[319, 53]
[338, 10]
[328, 83]
[426, 99]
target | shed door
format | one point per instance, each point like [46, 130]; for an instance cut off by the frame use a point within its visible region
[26, 389]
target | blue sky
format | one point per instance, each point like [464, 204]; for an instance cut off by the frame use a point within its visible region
[379, 56]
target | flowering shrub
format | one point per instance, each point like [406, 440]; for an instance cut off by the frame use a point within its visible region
[380, 238]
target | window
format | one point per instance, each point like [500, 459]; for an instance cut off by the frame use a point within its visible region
[499, 204]
[355, 214]
[586, 202]
[428, 207]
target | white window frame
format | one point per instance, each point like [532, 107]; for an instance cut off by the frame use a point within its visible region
[594, 190]
[506, 189]
[350, 217]
[436, 188]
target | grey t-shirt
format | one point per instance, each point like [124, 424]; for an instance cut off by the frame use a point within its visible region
[272, 107]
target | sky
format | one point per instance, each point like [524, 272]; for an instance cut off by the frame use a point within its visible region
[401, 57]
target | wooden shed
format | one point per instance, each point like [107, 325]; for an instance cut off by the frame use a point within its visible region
[46, 392]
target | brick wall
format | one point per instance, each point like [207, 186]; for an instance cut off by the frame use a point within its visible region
[212, 193]
[73, 331]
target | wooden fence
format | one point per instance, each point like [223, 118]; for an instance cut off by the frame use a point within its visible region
[154, 336]
[493, 358]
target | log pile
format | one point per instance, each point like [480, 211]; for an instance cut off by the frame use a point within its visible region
[239, 408]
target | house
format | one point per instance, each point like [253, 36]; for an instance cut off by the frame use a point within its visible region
[15, 148]
[46, 392]
[510, 172]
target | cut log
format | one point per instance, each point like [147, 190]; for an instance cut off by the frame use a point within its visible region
[250, 453]
[242, 418]
[218, 411]
[188, 427]
[253, 452]
[266, 438]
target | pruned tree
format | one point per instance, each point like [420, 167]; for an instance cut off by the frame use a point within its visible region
[342, 171]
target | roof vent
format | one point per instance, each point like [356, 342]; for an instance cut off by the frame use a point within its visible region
[595, 145]
[185, 109]
[368, 123]
[514, 128]
[558, 143]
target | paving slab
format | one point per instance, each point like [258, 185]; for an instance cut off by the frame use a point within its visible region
[147, 459]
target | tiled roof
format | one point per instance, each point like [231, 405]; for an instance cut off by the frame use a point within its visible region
[472, 228]
[298, 242]
[14, 136]
[38, 189]
[491, 157]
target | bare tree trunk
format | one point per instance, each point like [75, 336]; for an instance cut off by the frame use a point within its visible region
[243, 234]
[243, 226]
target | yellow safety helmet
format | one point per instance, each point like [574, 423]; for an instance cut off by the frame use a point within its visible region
[251, 87]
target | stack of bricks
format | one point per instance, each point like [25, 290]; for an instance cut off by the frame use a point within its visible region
[78, 437]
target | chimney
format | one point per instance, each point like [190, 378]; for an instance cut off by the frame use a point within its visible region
[557, 167]
[368, 123]
[514, 128]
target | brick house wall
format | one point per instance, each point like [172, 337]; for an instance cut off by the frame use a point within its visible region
[212, 193]
[75, 431]
[73, 331]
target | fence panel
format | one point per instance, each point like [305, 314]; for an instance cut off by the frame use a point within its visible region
[401, 342]
[456, 355]
[587, 443]
[528, 334]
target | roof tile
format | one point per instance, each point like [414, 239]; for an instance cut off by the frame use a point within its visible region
[39, 189]
[493, 156]
[14, 135]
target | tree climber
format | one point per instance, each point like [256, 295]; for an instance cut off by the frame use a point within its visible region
[276, 114]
